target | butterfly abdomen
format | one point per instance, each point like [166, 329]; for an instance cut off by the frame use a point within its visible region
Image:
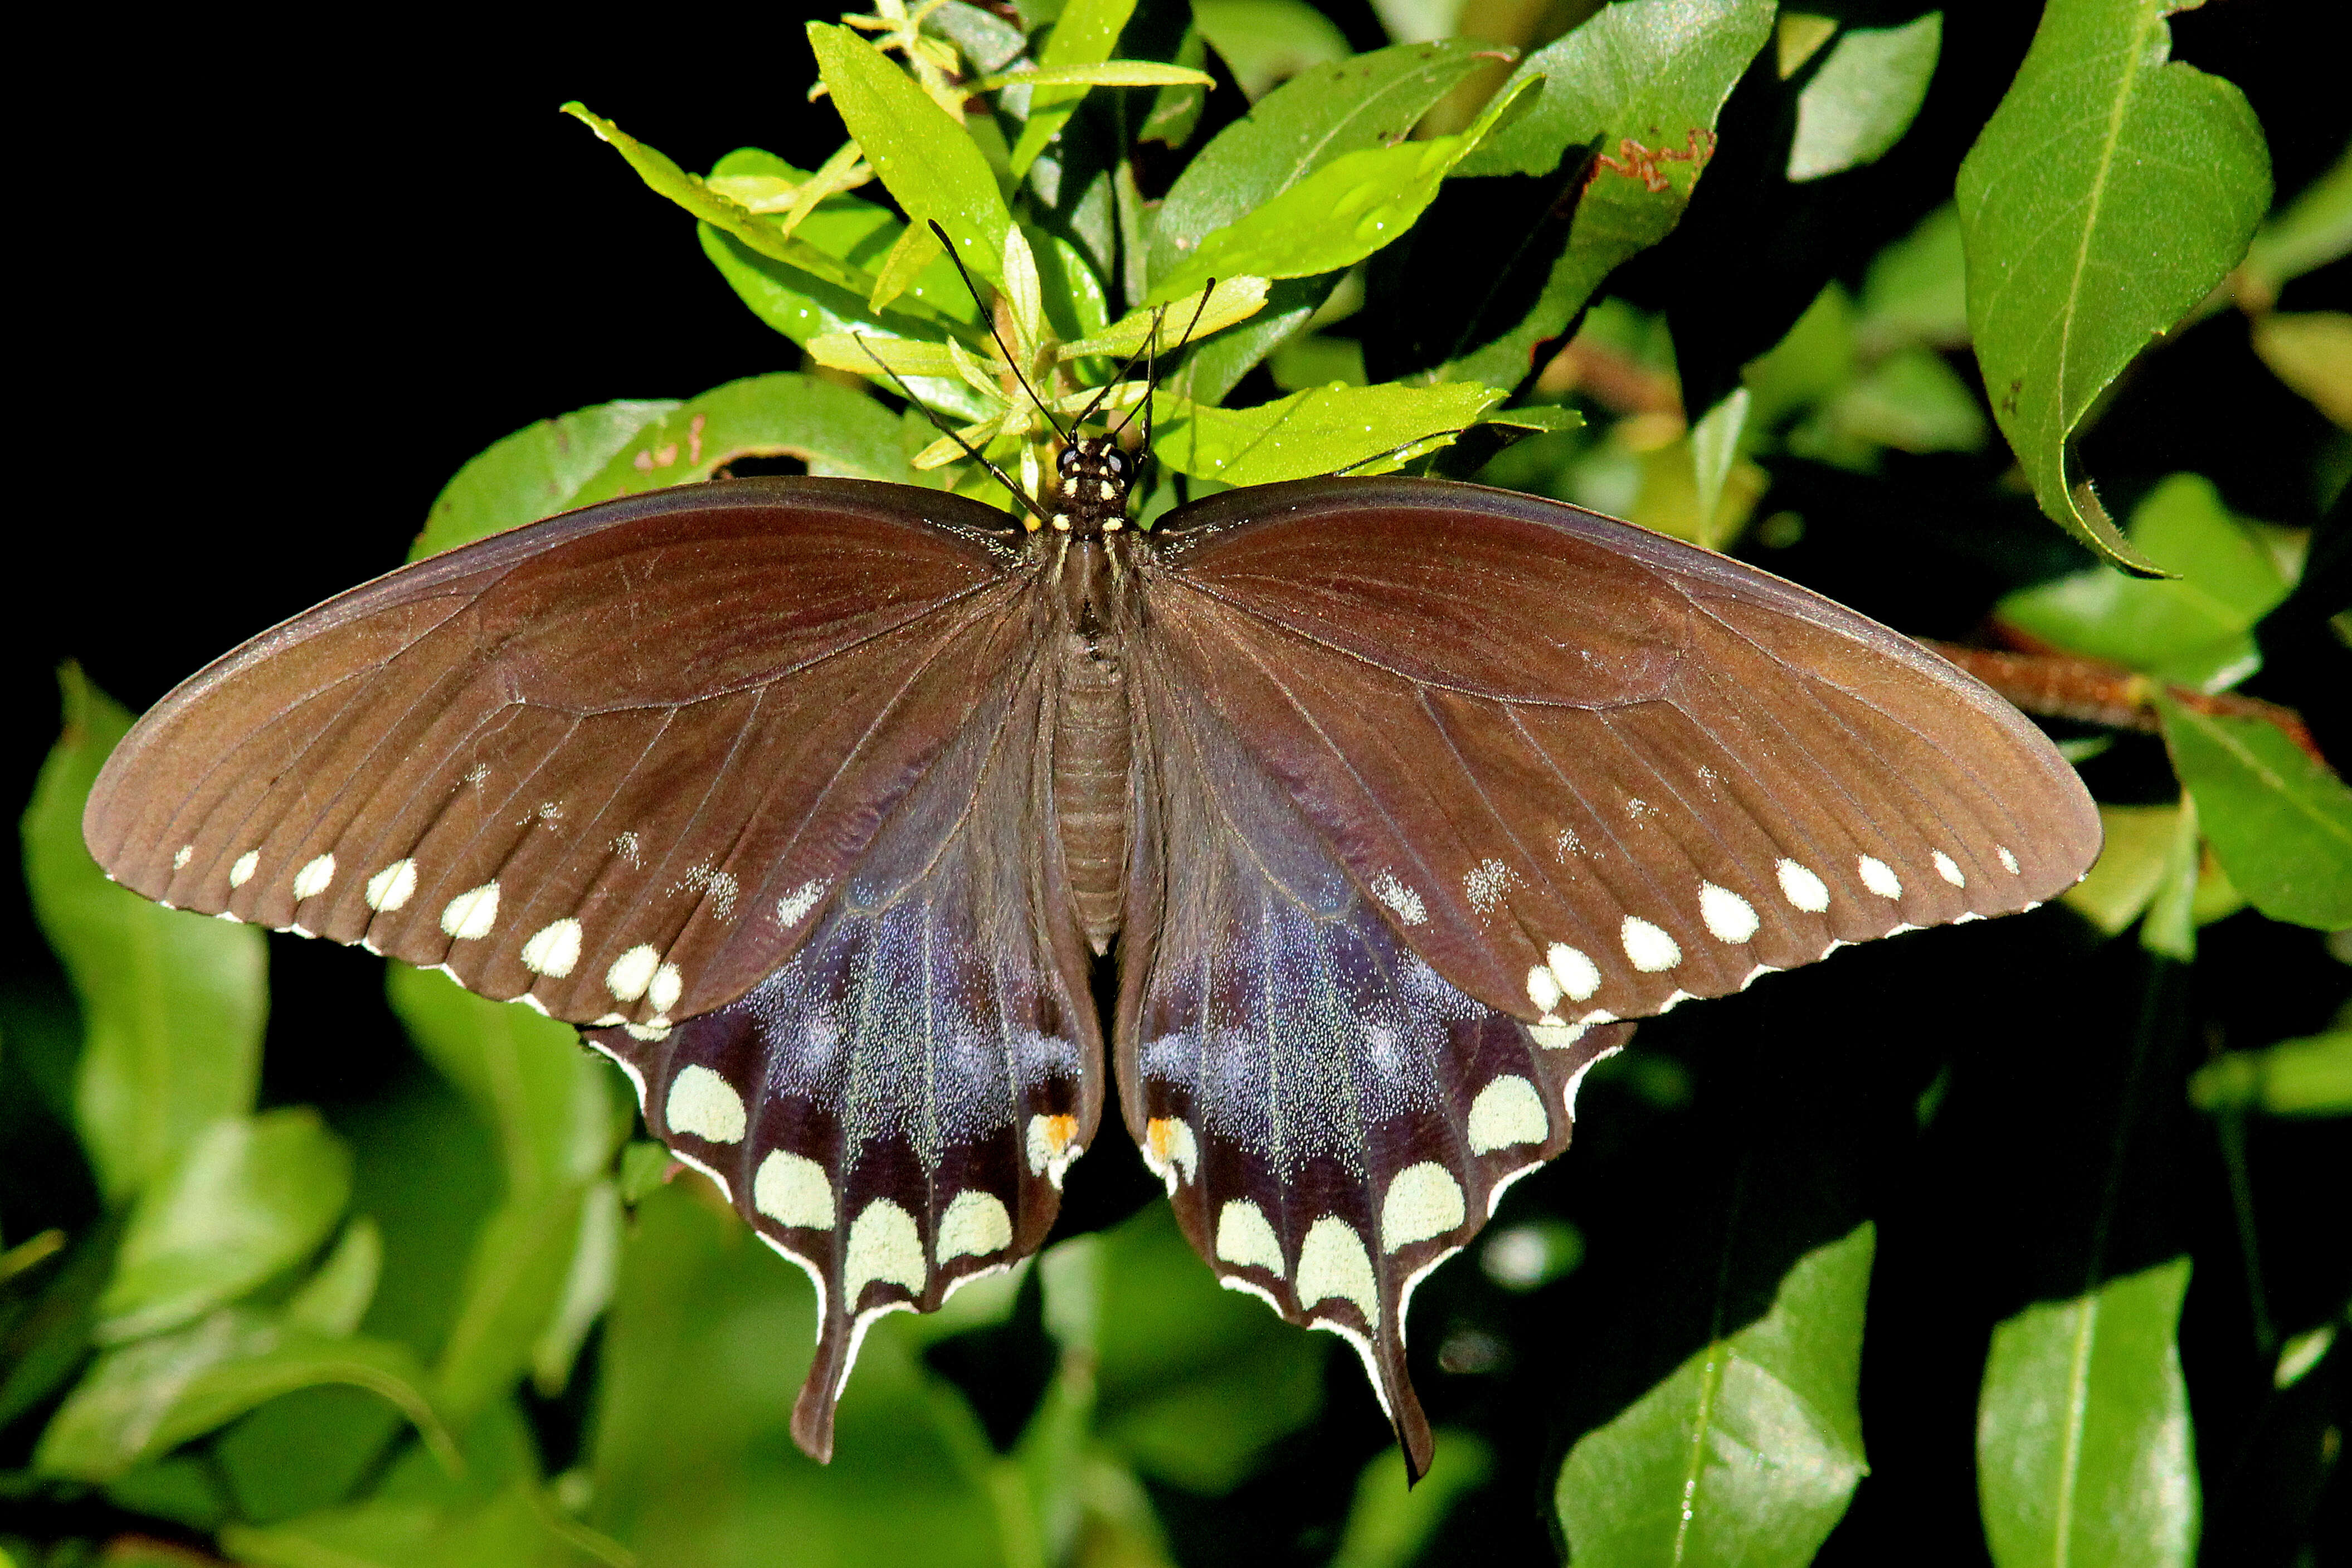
[1090, 731]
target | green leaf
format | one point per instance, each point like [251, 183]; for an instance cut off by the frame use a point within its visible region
[2308, 1077]
[2196, 628]
[172, 1004]
[1362, 429]
[143, 1399]
[835, 429]
[1916, 290]
[1811, 363]
[765, 235]
[2082, 1437]
[1195, 1383]
[1108, 73]
[1912, 401]
[1391, 1520]
[931, 168]
[558, 1127]
[2311, 350]
[335, 1299]
[1265, 40]
[587, 1290]
[1746, 1453]
[1643, 83]
[1865, 97]
[245, 1200]
[1713, 447]
[2314, 229]
[1176, 110]
[2130, 866]
[43, 1343]
[1083, 36]
[488, 1511]
[2112, 189]
[531, 474]
[1334, 218]
[2280, 823]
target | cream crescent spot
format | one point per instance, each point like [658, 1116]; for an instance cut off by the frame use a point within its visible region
[1508, 1112]
[1245, 1238]
[883, 1245]
[974, 1225]
[705, 1105]
[792, 1189]
[1424, 1200]
[470, 915]
[1333, 1263]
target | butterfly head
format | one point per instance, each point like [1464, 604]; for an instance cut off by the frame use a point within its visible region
[1094, 474]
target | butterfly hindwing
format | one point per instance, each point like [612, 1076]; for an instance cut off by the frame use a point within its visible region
[612, 763]
[894, 1107]
[1331, 1118]
[1588, 770]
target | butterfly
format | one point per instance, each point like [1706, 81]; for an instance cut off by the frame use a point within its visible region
[816, 803]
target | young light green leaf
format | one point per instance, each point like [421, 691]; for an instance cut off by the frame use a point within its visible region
[1176, 110]
[2169, 927]
[2196, 628]
[2311, 350]
[1864, 96]
[531, 474]
[2279, 821]
[171, 1004]
[143, 1399]
[587, 1290]
[1644, 81]
[552, 1109]
[932, 169]
[1544, 418]
[246, 1198]
[1714, 447]
[1108, 73]
[2112, 189]
[1334, 218]
[2314, 229]
[1749, 1451]
[335, 1298]
[2083, 1451]
[1267, 40]
[1083, 38]
[1912, 401]
[834, 429]
[662, 176]
[1393, 1520]
[1362, 429]
[1916, 289]
[2117, 891]
[2307, 1077]
[1234, 299]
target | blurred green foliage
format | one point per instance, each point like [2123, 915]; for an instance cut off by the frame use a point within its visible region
[466, 1320]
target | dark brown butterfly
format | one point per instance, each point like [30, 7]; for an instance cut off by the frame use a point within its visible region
[812, 802]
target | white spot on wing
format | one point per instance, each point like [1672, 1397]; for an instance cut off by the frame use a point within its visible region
[1648, 947]
[884, 1245]
[1424, 1200]
[1051, 1147]
[314, 877]
[1556, 1037]
[663, 991]
[627, 847]
[1244, 1237]
[1543, 989]
[1486, 884]
[794, 905]
[2008, 861]
[390, 887]
[706, 1105]
[1565, 843]
[1400, 899]
[974, 1225]
[1578, 975]
[478, 774]
[1730, 918]
[186, 851]
[472, 913]
[632, 972]
[242, 872]
[793, 1190]
[1803, 889]
[1507, 1111]
[1879, 877]
[553, 950]
[1948, 869]
[1332, 1263]
[717, 888]
[1171, 1150]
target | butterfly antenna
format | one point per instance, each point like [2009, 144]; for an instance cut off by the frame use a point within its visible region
[1393, 451]
[1150, 346]
[942, 427]
[990, 315]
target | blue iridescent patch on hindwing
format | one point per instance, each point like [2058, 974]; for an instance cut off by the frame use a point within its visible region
[1331, 1118]
[893, 1108]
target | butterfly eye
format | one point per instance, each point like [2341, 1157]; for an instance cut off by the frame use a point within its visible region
[1114, 462]
[1067, 463]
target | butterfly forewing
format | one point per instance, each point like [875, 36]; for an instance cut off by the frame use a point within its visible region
[893, 1108]
[1586, 770]
[1332, 1119]
[612, 763]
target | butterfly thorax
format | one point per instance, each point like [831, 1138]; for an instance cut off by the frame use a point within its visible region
[1094, 476]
